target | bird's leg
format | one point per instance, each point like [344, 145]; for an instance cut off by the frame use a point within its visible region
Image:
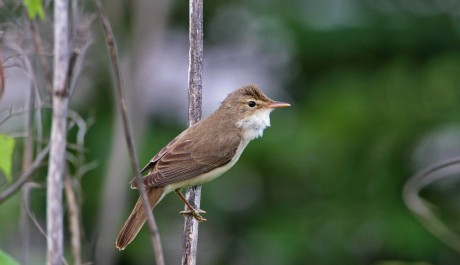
[191, 210]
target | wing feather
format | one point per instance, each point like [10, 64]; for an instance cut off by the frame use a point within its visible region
[184, 160]
[153, 161]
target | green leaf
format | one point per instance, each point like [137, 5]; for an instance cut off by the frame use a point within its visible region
[6, 156]
[5, 259]
[34, 8]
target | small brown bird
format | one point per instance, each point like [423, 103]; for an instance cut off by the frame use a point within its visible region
[202, 152]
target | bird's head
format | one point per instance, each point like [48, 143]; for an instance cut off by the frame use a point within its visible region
[251, 110]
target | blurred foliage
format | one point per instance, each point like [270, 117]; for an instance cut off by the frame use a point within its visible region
[6, 260]
[323, 186]
[6, 156]
[34, 9]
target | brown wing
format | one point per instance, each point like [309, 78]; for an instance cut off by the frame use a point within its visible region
[160, 154]
[186, 160]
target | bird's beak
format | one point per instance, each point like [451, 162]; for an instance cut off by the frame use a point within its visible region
[278, 104]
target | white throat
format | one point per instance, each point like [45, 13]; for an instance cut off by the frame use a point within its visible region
[253, 126]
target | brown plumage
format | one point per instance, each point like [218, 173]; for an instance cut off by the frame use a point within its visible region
[137, 218]
[202, 152]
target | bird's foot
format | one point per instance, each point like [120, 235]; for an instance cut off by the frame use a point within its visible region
[195, 213]
[191, 211]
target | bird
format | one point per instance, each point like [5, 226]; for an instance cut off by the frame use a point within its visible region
[201, 153]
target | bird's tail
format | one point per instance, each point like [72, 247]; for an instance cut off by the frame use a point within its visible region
[137, 218]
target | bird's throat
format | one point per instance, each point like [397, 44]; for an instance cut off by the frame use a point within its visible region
[254, 125]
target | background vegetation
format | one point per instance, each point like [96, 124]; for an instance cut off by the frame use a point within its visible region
[374, 87]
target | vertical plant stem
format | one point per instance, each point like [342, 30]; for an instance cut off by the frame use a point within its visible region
[2, 77]
[28, 155]
[195, 70]
[57, 158]
[41, 56]
[74, 221]
[27, 160]
[122, 107]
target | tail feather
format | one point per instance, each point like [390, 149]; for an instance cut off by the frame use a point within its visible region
[137, 218]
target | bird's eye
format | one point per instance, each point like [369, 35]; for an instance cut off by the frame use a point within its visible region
[251, 104]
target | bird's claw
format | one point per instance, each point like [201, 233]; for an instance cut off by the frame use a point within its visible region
[195, 213]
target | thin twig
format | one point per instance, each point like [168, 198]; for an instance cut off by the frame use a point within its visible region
[41, 56]
[121, 100]
[74, 221]
[29, 140]
[25, 200]
[25, 234]
[82, 40]
[83, 126]
[418, 206]
[2, 77]
[195, 70]
[8, 115]
[27, 160]
[12, 113]
[46, 74]
[27, 66]
[25, 176]
[70, 69]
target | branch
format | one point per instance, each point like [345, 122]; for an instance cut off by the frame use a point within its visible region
[195, 70]
[57, 159]
[29, 125]
[25, 200]
[418, 206]
[121, 100]
[25, 176]
[2, 77]
[27, 159]
[41, 55]
[74, 221]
